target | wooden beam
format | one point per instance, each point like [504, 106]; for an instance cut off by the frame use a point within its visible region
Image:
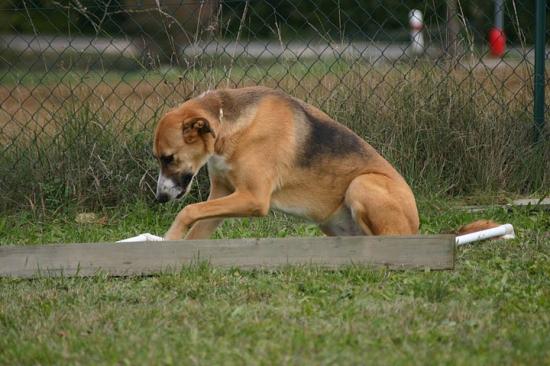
[533, 203]
[434, 252]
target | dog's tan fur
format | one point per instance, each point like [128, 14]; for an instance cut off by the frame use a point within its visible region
[265, 149]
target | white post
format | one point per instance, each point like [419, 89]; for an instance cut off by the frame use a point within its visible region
[417, 37]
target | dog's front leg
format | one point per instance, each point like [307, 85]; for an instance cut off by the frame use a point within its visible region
[203, 229]
[178, 229]
[237, 204]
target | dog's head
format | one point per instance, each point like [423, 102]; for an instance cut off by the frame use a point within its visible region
[183, 142]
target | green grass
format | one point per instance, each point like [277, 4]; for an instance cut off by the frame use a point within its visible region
[493, 308]
[119, 223]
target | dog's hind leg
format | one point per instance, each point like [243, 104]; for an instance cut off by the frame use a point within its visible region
[382, 205]
[341, 223]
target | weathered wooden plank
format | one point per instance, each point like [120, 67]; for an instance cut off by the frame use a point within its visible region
[534, 203]
[435, 252]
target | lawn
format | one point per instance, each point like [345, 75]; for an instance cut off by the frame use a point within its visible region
[494, 308]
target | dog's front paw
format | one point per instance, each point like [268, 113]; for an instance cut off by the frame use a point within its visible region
[171, 236]
[175, 233]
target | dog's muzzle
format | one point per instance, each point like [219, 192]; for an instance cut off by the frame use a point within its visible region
[169, 188]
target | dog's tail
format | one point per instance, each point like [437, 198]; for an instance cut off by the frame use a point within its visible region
[476, 226]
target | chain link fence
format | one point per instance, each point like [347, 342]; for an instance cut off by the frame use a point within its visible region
[82, 84]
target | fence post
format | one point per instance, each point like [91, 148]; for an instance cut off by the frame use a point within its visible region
[453, 27]
[540, 50]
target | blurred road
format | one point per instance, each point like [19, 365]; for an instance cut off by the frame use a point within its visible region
[59, 44]
[373, 52]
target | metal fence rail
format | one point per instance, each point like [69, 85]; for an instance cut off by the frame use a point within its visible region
[69, 68]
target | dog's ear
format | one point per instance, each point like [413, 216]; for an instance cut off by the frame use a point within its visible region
[195, 128]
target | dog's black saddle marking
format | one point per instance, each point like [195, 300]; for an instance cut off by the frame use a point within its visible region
[328, 138]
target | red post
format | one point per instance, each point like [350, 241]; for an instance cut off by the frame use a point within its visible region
[497, 41]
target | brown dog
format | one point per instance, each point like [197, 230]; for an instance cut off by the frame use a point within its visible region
[265, 149]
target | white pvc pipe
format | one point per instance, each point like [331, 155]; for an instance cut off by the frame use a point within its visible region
[142, 237]
[506, 231]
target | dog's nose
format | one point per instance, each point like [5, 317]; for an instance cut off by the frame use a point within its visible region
[162, 198]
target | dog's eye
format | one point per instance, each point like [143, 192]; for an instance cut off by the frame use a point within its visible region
[166, 160]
